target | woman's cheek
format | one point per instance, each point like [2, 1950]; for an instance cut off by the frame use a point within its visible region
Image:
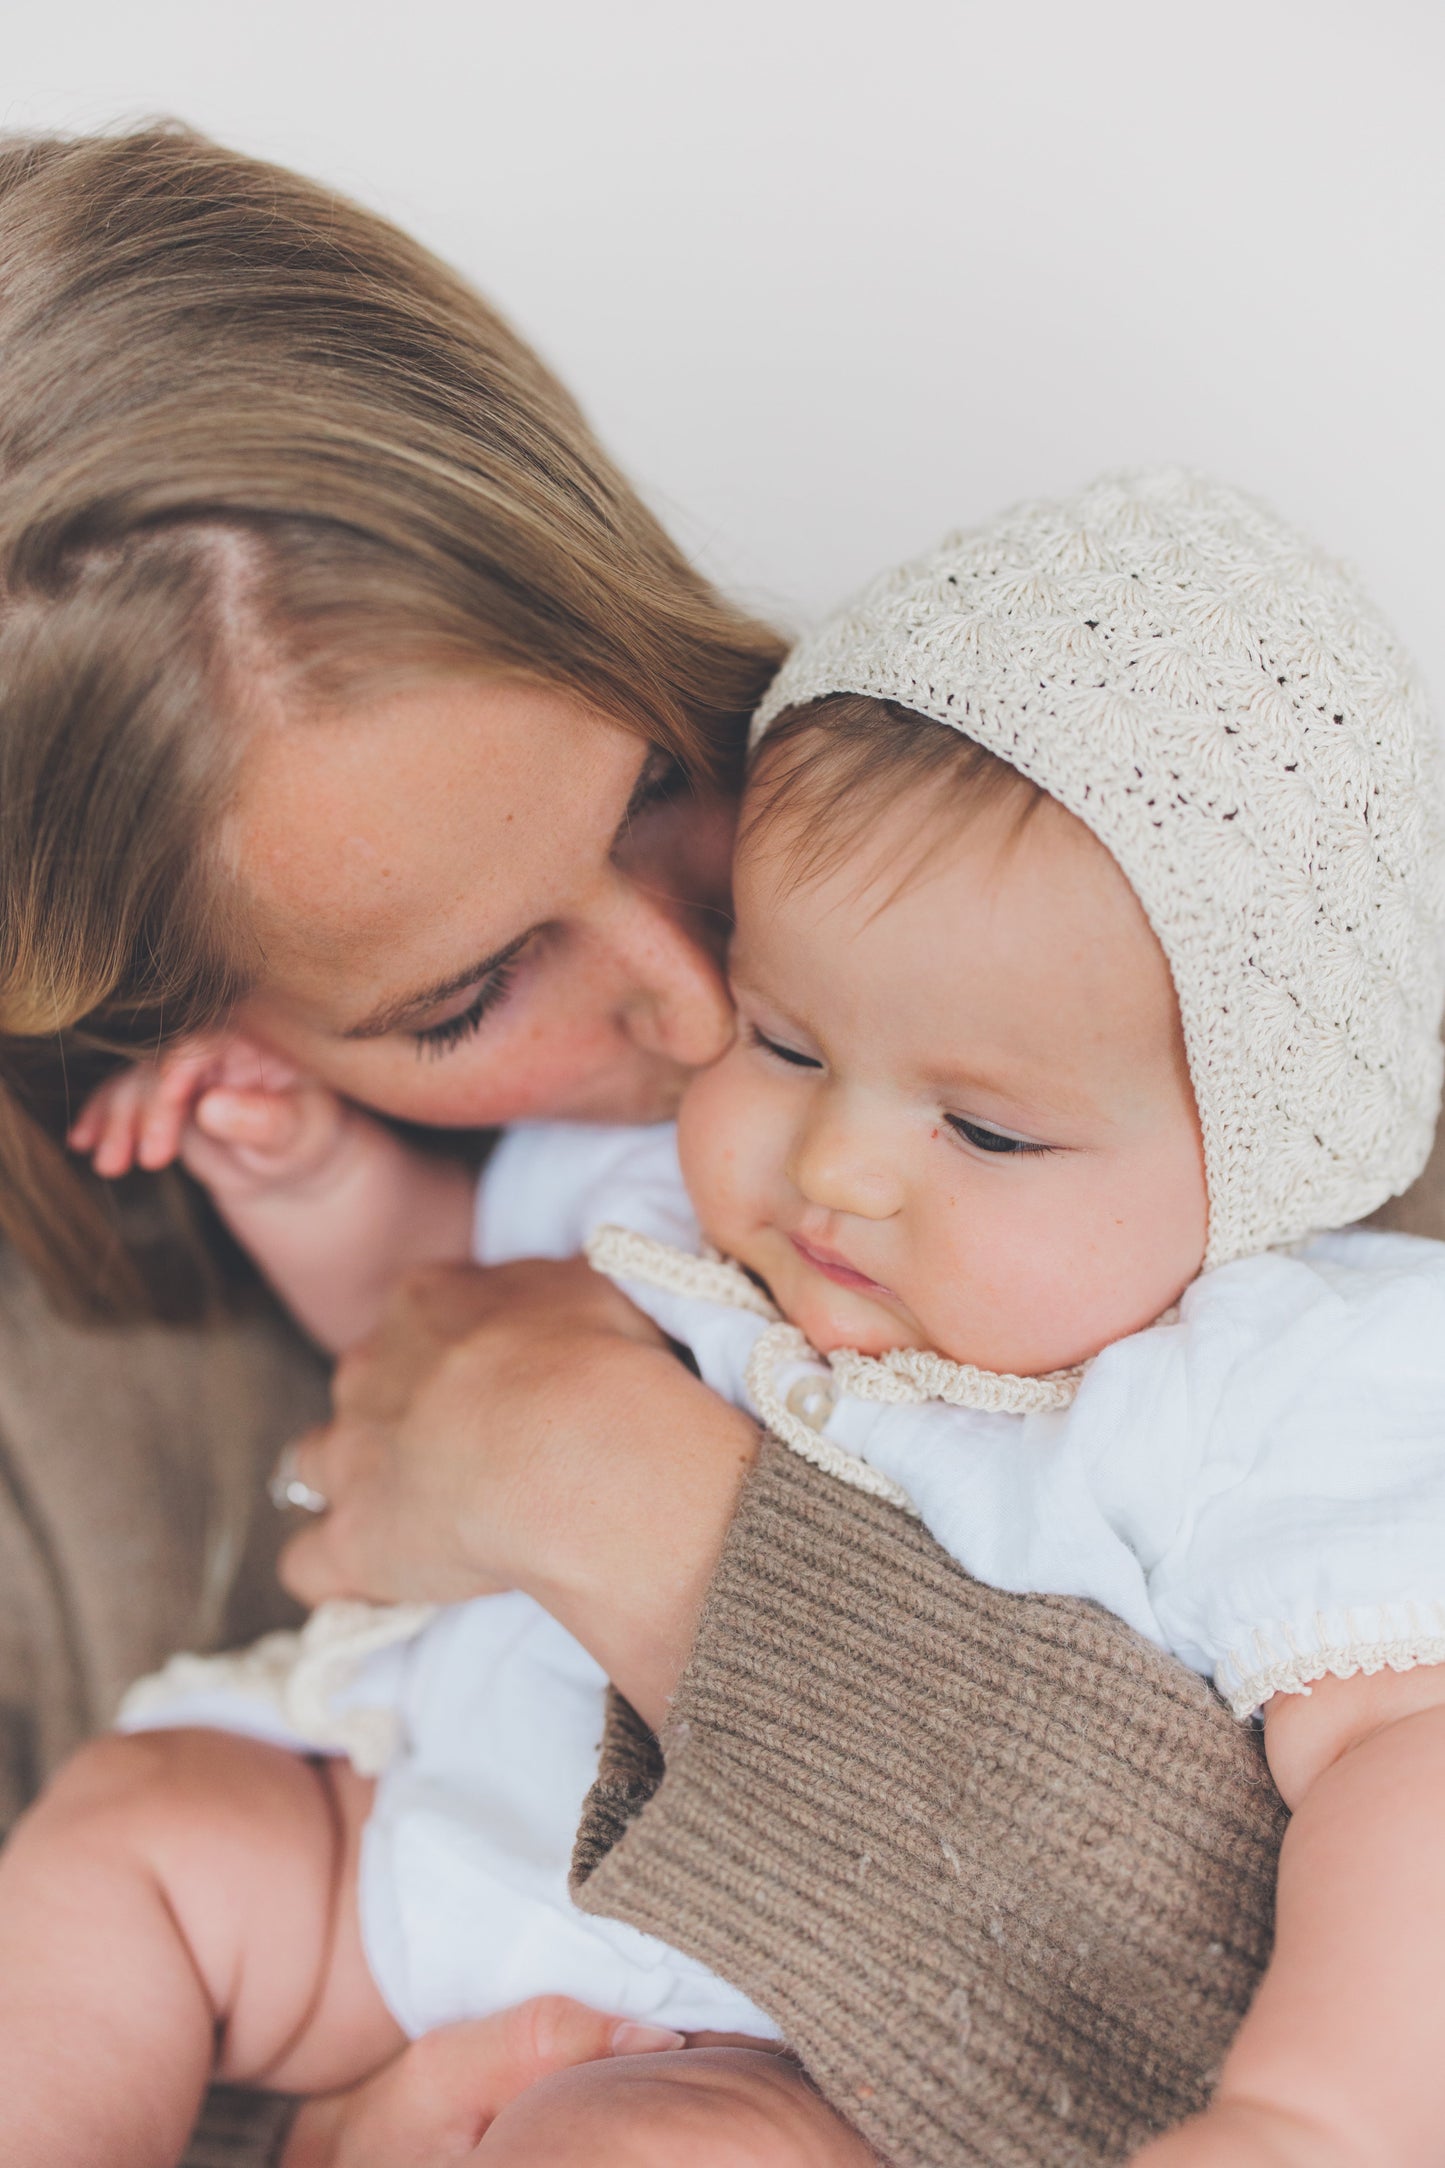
[500, 1076]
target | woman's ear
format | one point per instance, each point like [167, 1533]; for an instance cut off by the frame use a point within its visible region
[1421, 1211]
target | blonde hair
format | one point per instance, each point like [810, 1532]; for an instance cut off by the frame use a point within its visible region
[246, 425]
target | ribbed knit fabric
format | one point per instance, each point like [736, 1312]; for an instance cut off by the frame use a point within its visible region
[1003, 1873]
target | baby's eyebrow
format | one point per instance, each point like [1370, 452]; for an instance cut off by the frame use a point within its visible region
[402, 1009]
[1047, 1097]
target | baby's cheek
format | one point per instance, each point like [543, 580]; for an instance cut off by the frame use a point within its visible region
[717, 1148]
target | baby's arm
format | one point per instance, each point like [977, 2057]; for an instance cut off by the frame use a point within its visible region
[331, 1203]
[1340, 2063]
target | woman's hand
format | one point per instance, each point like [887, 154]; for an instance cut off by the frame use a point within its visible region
[527, 1427]
[435, 2102]
[1251, 2134]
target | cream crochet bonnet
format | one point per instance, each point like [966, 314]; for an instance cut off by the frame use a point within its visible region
[1220, 704]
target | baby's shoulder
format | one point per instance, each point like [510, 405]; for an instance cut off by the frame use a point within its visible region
[1285, 1363]
[1346, 1297]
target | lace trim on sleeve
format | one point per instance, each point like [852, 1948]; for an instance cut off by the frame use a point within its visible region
[1285, 1659]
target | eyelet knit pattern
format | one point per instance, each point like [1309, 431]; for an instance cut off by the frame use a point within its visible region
[1223, 707]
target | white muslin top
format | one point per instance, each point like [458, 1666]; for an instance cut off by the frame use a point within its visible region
[1257, 1485]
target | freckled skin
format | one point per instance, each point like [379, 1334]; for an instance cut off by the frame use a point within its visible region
[385, 849]
[1014, 983]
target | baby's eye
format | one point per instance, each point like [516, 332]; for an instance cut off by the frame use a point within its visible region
[788, 1054]
[985, 1139]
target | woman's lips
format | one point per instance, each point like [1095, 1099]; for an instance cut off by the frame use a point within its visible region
[835, 1268]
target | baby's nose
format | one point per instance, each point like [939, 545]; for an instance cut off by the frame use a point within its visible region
[841, 1165]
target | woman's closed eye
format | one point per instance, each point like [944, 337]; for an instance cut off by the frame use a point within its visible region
[775, 1047]
[441, 1038]
[997, 1141]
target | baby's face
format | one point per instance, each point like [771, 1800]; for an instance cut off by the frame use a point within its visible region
[955, 1116]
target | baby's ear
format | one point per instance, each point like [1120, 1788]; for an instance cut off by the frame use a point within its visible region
[1421, 1211]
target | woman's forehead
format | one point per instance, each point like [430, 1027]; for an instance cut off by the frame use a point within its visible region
[368, 845]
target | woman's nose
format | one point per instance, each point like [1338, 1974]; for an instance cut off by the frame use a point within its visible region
[674, 996]
[840, 1163]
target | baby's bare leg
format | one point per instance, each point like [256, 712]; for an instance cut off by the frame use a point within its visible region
[177, 1904]
[708, 2107]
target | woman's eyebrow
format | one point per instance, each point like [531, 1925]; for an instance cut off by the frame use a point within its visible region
[406, 1008]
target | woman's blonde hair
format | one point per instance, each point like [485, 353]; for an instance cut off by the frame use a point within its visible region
[246, 426]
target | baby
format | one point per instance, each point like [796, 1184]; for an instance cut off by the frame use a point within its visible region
[1089, 967]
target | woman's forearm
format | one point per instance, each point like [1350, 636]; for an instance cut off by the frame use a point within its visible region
[633, 1592]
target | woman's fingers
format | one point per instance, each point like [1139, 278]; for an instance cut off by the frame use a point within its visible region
[312, 1567]
[328, 1556]
[345, 1553]
[435, 2102]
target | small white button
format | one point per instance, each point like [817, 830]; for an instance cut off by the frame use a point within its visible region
[812, 1399]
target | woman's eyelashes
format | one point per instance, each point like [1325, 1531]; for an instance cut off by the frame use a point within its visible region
[442, 1038]
[789, 1054]
[997, 1141]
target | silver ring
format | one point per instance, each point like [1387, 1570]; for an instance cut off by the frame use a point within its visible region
[288, 1489]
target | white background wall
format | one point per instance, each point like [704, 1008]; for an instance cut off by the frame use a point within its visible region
[833, 275]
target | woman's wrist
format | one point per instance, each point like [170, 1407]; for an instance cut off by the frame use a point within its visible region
[630, 1579]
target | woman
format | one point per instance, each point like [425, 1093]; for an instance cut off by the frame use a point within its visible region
[350, 698]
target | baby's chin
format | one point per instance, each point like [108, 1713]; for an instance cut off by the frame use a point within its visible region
[828, 1316]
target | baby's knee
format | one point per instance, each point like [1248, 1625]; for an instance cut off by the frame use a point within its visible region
[710, 2107]
[138, 1791]
[105, 1788]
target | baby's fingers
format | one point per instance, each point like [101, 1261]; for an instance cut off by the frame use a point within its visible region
[109, 1124]
[269, 1123]
[85, 1131]
[169, 1102]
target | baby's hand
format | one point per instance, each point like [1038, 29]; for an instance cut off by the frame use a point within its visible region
[239, 1117]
